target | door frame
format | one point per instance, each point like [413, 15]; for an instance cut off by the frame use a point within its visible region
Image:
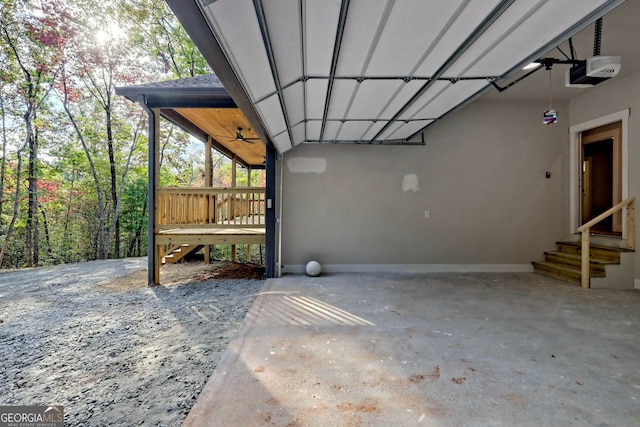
[575, 170]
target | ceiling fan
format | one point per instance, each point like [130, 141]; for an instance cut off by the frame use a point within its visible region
[239, 137]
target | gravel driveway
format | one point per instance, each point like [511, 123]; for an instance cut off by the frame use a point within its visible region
[94, 338]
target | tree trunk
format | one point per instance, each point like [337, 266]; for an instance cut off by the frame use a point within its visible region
[3, 161]
[114, 186]
[16, 204]
[33, 197]
[101, 250]
[118, 197]
[47, 235]
[31, 189]
[65, 235]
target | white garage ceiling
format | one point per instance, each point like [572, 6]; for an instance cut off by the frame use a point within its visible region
[378, 71]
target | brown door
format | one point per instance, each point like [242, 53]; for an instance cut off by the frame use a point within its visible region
[602, 176]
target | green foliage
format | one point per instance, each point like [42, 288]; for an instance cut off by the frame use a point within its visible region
[56, 55]
[223, 252]
[134, 215]
[157, 31]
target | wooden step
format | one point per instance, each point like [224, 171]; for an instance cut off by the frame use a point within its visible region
[565, 263]
[610, 253]
[564, 272]
[180, 253]
[596, 264]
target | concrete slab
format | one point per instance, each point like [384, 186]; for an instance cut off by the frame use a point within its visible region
[430, 349]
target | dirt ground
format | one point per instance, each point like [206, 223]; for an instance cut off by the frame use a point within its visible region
[94, 338]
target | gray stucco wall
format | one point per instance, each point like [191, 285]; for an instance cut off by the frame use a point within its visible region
[481, 176]
[610, 97]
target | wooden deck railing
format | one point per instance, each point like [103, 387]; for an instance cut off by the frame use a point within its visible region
[630, 204]
[209, 206]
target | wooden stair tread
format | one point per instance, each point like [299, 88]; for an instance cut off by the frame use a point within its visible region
[566, 262]
[578, 258]
[564, 268]
[180, 252]
[566, 273]
[595, 246]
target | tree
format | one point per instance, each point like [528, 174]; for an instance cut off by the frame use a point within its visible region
[155, 28]
[33, 36]
[73, 166]
[94, 68]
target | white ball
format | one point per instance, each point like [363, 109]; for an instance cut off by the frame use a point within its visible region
[314, 268]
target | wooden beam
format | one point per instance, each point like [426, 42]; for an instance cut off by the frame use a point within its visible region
[210, 239]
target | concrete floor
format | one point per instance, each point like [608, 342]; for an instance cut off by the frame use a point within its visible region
[429, 349]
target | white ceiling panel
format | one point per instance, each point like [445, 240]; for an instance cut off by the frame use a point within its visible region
[374, 129]
[340, 98]
[321, 23]
[316, 94]
[286, 39]
[378, 70]
[294, 99]
[366, 104]
[450, 97]
[410, 31]
[434, 91]
[313, 130]
[405, 131]
[514, 17]
[331, 130]
[469, 15]
[394, 103]
[236, 24]
[364, 20]
[282, 142]
[271, 113]
[508, 42]
[299, 133]
[353, 130]
[393, 127]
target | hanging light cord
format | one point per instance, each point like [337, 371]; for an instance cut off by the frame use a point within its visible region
[550, 88]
